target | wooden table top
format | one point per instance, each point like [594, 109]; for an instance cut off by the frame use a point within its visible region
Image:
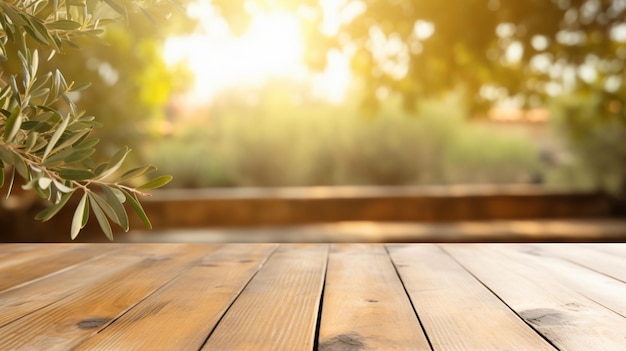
[313, 297]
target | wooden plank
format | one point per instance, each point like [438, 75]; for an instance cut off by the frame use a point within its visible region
[613, 265]
[365, 306]
[456, 310]
[13, 255]
[20, 301]
[604, 290]
[278, 309]
[566, 318]
[53, 258]
[68, 322]
[190, 305]
[7, 250]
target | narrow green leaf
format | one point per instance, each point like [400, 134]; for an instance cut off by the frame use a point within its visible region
[52, 210]
[116, 162]
[81, 87]
[101, 167]
[12, 125]
[119, 194]
[34, 66]
[64, 25]
[137, 172]
[31, 140]
[85, 215]
[40, 6]
[1, 174]
[61, 80]
[57, 159]
[6, 156]
[69, 103]
[56, 136]
[75, 174]
[88, 144]
[74, 137]
[39, 32]
[107, 208]
[39, 93]
[102, 219]
[79, 155]
[68, 10]
[41, 143]
[62, 187]
[156, 183]
[13, 15]
[50, 116]
[79, 214]
[39, 127]
[40, 81]
[136, 205]
[16, 91]
[117, 206]
[20, 166]
[56, 85]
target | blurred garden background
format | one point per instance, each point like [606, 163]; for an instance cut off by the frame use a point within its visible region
[284, 93]
[274, 93]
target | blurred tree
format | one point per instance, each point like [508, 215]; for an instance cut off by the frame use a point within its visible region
[530, 50]
[492, 49]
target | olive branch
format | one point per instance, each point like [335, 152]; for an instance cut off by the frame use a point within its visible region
[44, 138]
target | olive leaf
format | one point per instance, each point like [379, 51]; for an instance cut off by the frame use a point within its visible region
[101, 217]
[77, 221]
[44, 138]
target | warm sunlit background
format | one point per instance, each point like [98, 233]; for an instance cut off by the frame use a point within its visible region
[350, 92]
[500, 98]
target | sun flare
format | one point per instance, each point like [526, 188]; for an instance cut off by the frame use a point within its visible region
[271, 47]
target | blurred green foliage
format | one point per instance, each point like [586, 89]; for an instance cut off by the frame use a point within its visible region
[597, 144]
[282, 141]
[566, 54]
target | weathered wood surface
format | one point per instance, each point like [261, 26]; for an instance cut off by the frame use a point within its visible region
[313, 297]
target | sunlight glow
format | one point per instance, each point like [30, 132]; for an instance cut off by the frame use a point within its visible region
[272, 47]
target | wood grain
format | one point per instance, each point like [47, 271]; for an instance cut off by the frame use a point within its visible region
[613, 265]
[269, 297]
[603, 289]
[26, 265]
[568, 319]
[24, 299]
[69, 321]
[365, 305]
[191, 304]
[11, 251]
[278, 309]
[457, 311]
